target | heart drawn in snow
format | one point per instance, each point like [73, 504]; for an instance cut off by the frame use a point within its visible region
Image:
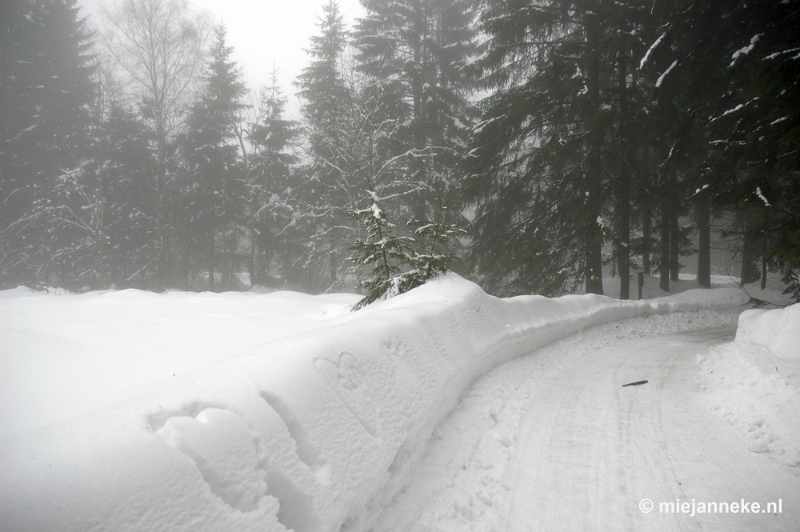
[348, 381]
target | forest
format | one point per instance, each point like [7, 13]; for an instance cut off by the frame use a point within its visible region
[532, 146]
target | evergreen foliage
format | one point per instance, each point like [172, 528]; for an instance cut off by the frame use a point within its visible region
[395, 266]
[733, 116]
[124, 172]
[159, 47]
[271, 181]
[45, 93]
[608, 133]
[756, 135]
[416, 52]
[213, 186]
[340, 126]
[541, 154]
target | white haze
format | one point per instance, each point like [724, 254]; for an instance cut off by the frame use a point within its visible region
[266, 34]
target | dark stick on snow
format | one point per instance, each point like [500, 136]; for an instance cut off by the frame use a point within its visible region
[637, 383]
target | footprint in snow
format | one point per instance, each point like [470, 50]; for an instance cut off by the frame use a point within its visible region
[347, 379]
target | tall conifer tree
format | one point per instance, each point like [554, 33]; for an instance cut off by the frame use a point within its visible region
[270, 185]
[417, 50]
[45, 91]
[541, 153]
[213, 185]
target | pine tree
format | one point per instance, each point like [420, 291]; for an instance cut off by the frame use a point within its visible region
[382, 250]
[213, 188]
[338, 136]
[271, 180]
[726, 118]
[396, 267]
[756, 135]
[676, 138]
[321, 84]
[45, 92]
[100, 214]
[416, 51]
[124, 173]
[541, 152]
[628, 207]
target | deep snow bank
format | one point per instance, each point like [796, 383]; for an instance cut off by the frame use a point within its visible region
[66, 355]
[304, 432]
[754, 382]
[771, 339]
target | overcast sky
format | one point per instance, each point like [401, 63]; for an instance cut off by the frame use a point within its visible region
[264, 32]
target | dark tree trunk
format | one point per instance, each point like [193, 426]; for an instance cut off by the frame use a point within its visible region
[251, 262]
[663, 268]
[751, 250]
[211, 261]
[674, 231]
[647, 243]
[764, 250]
[332, 266]
[417, 36]
[594, 234]
[623, 207]
[702, 212]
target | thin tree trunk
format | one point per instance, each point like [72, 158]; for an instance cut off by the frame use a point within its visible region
[251, 261]
[750, 250]
[663, 268]
[647, 243]
[211, 262]
[674, 231]
[702, 212]
[332, 266]
[623, 207]
[419, 202]
[594, 234]
[764, 250]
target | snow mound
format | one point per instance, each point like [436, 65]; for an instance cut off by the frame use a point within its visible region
[771, 338]
[765, 407]
[310, 432]
[755, 382]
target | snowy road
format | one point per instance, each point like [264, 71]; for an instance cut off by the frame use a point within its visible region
[552, 441]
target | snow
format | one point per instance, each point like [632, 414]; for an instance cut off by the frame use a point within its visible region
[778, 54]
[376, 212]
[129, 410]
[763, 405]
[650, 50]
[71, 354]
[761, 197]
[772, 340]
[481, 125]
[667, 71]
[552, 441]
[730, 111]
[746, 50]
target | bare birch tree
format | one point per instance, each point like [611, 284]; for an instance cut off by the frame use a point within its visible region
[159, 46]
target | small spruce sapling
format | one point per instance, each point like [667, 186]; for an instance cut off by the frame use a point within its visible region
[396, 267]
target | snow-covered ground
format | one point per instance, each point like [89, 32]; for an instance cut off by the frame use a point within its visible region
[552, 441]
[136, 411]
[67, 355]
[772, 294]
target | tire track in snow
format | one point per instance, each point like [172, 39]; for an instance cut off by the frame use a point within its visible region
[475, 475]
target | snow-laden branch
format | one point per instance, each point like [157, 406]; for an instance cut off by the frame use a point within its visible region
[739, 107]
[650, 50]
[746, 50]
[761, 197]
[664, 75]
